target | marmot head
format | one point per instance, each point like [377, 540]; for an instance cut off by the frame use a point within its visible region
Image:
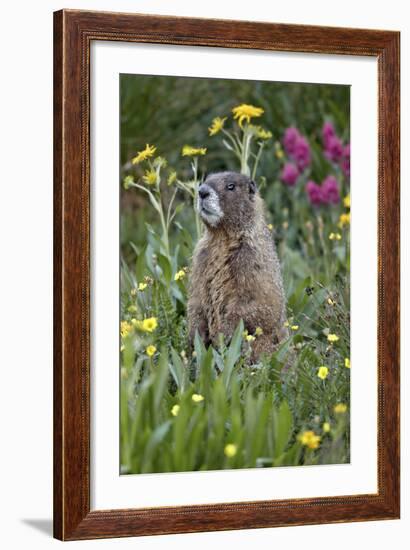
[227, 200]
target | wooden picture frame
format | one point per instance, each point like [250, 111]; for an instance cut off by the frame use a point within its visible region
[73, 33]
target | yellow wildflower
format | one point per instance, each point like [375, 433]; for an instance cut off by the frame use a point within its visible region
[262, 133]
[346, 201]
[188, 151]
[151, 350]
[258, 331]
[145, 154]
[310, 439]
[149, 325]
[179, 275]
[175, 410]
[230, 450]
[323, 372]
[217, 125]
[340, 408]
[331, 302]
[197, 397]
[294, 327]
[326, 427]
[335, 236]
[126, 328]
[332, 338]
[270, 227]
[150, 177]
[249, 338]
[344, 220]
[246, 112]
[347, 362]
[142, 287]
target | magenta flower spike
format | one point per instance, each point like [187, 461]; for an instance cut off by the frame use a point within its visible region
[289, 174]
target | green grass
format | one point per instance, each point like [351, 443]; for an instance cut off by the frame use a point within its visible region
[214, 409]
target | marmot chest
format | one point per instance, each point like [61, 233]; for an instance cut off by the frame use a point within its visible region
[220, 289]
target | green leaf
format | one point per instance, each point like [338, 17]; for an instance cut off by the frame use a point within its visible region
[161, 378]
[166, 268]
[154, 441]
[233, 354]
[140, 267]
[178, 370]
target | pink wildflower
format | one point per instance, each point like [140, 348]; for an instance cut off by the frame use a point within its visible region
[289, 174]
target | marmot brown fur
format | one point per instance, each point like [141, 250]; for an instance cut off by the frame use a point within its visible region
[235, 271]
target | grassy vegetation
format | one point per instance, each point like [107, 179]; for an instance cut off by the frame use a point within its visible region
[213, 408]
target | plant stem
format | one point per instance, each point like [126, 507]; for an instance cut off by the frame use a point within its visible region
[247, 137]
[258, 156]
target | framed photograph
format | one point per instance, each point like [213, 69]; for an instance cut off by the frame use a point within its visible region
[226, 275]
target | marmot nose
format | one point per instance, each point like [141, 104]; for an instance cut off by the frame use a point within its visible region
[203, 191]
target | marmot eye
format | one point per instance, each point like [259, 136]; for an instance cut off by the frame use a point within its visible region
[230, 186]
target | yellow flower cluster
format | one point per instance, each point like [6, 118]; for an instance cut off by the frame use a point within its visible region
[188, 151]
[323, 372]
[179, 275]
[150, 324]
[151, 350]
[147, 325]
[175, 410]
[310, 439]
[340, 408]
[197, 397]
[252, 337]
[335, 236]
[147, 153]
[332, 338]
[346, 201]
[347, 362]
[326, 427]
[126, 328]
[230, 450]
[217, 125]
[150, 177]
[261, 133]
[142, 287]
[245, 112]
[344, 219]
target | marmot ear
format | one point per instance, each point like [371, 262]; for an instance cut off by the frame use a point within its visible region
[252, 187]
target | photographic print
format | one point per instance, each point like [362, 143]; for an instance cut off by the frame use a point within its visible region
[234, 274]
[205, 310]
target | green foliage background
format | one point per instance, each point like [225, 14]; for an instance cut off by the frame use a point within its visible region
[261, 409]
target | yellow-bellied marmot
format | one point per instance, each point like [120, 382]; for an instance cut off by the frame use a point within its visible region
[235, 272]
